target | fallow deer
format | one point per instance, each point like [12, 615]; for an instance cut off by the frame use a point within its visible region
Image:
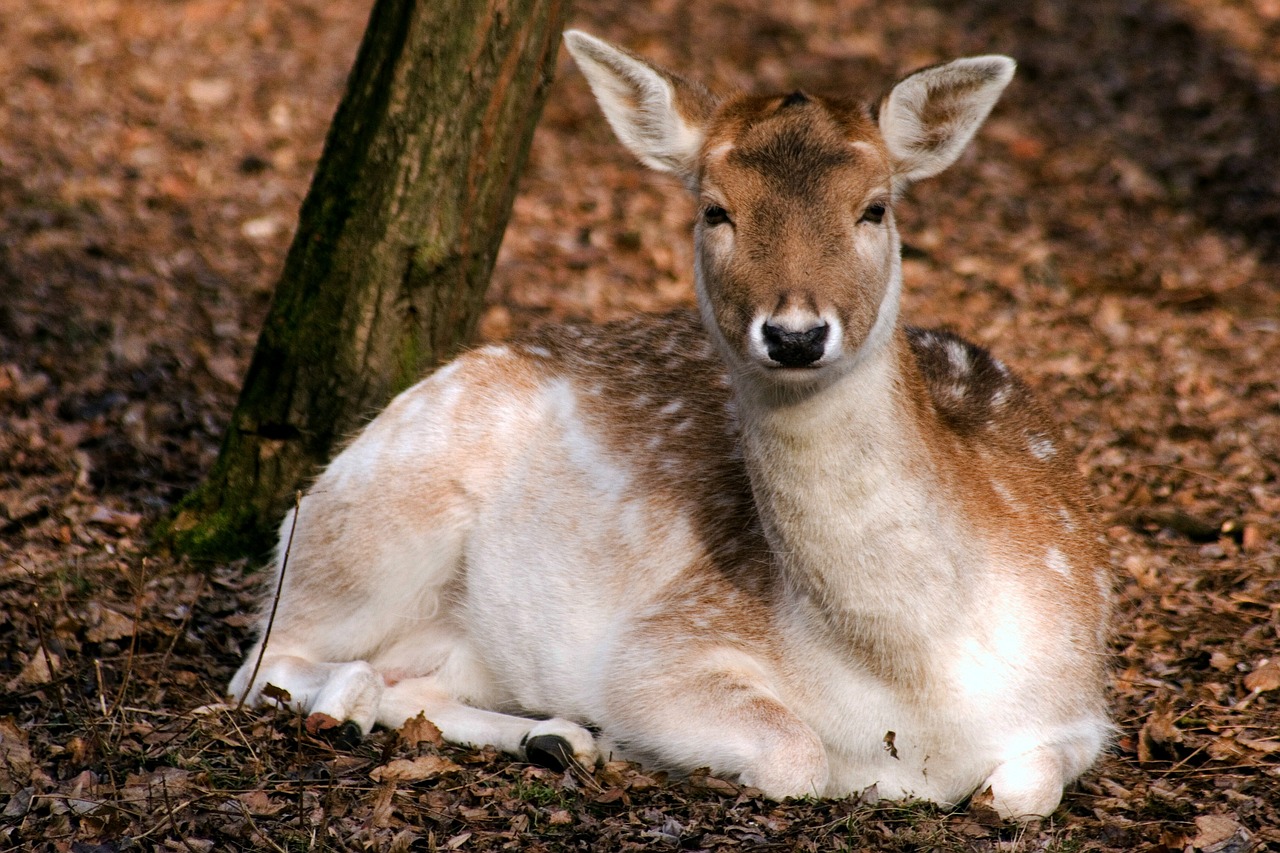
[797, 542]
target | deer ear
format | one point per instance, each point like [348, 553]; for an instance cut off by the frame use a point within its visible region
[930, 116]
[660, 117]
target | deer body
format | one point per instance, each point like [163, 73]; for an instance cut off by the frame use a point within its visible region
[804, 545]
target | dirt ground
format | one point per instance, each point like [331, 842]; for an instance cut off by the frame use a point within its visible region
[1114, 233]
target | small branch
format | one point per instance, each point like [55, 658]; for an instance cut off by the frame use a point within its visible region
[275, 601]
[48, 662]
[133, 641]
[182, 629]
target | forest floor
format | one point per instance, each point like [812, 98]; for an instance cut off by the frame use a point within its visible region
[1114, 233]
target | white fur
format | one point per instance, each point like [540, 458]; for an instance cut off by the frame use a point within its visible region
[482, 550]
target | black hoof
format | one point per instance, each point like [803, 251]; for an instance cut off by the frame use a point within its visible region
[550, 751]
[347, 735]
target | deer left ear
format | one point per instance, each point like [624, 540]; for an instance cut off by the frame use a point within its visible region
[930, 116]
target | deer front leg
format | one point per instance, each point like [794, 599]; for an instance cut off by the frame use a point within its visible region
[553, 743]
[348, 692]
[1030, 784]
[717, 712]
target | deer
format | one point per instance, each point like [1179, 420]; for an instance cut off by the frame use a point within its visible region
[785, 537]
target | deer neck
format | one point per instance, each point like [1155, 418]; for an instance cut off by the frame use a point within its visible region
[849, 492]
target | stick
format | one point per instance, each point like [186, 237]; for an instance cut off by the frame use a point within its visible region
[275, 602]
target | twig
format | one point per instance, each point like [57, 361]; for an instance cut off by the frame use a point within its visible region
[173, 820]
[133, 640]
[275, 601]
[102, 692]
[186, 620]
[48, 661]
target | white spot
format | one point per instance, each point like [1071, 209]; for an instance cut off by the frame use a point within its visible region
[1057, 561]
[1000, 397]
[542, 352]
[1007, 496]
[1041, 447]
[1068, 523]
[957, 390]
[641, 400]
[654, 442]
[719, 151]
[672, 407]
[959, 355]
[595, 390]
[495, 351]
[684, 426]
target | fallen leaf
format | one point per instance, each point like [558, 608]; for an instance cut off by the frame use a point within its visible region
[418, 730]
[413, 769]
[15, 756]
[114, 518]
[318, 722]
[259, 803]
[1158, 737]
[279, 694]
[106, 624]
[36, 671]
[982, 808]
[1265, 677]
[716, 785]
[1220, 834]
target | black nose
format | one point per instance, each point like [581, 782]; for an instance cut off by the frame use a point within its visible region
[795, 349]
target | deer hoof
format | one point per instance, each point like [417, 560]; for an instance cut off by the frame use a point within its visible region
[550, 751]
[348, 735]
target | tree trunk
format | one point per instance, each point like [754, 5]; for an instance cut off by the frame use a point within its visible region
[396, 241]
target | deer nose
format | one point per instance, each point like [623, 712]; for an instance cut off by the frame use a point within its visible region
[795, 349]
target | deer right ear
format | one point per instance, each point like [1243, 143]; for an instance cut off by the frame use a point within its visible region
[660, 117]
[930, 116]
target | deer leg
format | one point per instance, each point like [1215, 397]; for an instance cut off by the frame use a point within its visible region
[1030, 784]
[725, 717]
[347, 691]
[553, 743]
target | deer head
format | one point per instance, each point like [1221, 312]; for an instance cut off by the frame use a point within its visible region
[798, 269]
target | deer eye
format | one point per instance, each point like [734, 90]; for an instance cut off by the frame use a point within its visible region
[714, 214]
[874, 213]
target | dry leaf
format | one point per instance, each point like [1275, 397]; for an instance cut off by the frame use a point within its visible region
[1158, 737]
[15, 756]
[318, 722]
[106, 624]
[279, 694]
[414, 769]
[1220, 834]
[1265, 677]
[113, 518]
[418, 730]
[982, 808]
[259, 803]
[36, 671]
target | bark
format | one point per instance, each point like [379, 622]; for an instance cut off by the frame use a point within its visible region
[395, 244]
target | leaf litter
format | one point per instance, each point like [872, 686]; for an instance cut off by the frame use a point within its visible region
[1115, 235]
